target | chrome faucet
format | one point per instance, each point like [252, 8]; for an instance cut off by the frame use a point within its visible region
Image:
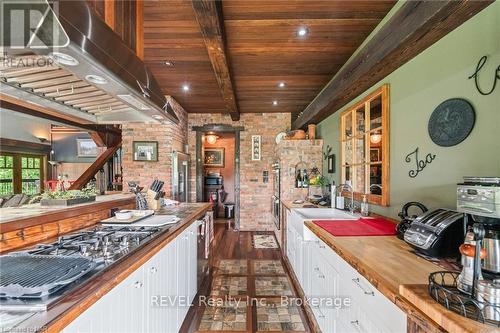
[341, 187]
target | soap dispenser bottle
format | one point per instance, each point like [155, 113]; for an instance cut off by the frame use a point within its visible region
[365, 208]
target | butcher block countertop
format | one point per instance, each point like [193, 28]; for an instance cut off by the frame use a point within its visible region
[82, 297]
[391, 266]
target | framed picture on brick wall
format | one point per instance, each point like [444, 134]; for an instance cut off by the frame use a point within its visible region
[256, 142]
[145, 151]
[213, 157]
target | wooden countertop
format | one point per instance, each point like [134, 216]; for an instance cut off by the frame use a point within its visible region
[449, 320]
[392, 267]
[13, 218]
[386, 261]
[77, 301]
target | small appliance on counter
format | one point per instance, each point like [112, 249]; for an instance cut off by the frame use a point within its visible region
[406, 218]
[475, 291]
[437, 233]
[479, 199]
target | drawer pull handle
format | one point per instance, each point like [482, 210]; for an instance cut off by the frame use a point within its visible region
[356, 281]
[321, 314]
[316, 269]
[138, 284]
[355, 323]
[321, 276]
[153, 270]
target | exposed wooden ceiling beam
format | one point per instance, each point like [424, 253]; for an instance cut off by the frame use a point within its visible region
[413, 28]
[209, 16]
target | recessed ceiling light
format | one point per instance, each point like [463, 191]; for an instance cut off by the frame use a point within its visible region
[92, 78]
[275, 103]
[63, 59]
[302, 32]
[281, 84]
[185, 87]
[157, 116]
[169, 63]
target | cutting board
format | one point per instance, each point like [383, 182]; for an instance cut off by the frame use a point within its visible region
[359, 227]
[152, 221]
[136, 217]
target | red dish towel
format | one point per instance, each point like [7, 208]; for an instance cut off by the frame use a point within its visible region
[359, 227]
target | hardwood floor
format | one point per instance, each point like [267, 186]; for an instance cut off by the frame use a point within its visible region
[247, 284]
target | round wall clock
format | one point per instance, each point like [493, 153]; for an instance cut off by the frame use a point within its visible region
[451, 122]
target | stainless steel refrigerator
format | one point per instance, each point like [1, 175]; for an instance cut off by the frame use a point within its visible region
[180, 176]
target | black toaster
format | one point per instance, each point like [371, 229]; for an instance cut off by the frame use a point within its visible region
[437, 233]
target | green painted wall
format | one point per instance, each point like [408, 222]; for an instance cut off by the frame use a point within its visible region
[437, 74]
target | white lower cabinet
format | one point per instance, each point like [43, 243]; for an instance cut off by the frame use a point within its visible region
[154, 298]
[324, 275]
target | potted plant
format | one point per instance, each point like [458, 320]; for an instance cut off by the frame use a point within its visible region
[66, 198]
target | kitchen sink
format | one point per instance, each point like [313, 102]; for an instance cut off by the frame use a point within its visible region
[325, 214]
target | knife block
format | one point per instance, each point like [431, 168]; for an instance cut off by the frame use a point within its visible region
[152, 202]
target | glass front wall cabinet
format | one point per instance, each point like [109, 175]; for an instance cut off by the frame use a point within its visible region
[365, 147]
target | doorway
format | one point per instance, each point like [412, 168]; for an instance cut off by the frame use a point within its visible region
[218, 171]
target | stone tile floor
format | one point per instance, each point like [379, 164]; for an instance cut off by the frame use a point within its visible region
[273, 286]
[274, 316]
[229, 286]
[267, 267]
[231, 266]
[239, 313]
[231, 316]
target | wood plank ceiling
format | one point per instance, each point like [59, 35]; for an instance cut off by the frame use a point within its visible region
[263, 46]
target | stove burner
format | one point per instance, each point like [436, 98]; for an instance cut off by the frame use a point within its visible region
[101, 244]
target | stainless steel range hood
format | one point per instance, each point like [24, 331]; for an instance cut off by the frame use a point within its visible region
[94, 72]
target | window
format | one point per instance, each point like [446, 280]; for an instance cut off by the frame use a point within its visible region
[365, 147]
[6, 174]
[20, 173]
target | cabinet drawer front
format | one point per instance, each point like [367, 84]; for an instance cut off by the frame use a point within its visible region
[372, 302]
[374, 307]
[321, 248]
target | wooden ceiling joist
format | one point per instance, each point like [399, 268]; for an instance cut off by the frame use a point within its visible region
[209, 16]
[413, 28]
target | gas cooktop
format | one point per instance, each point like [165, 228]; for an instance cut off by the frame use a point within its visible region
[99, 246]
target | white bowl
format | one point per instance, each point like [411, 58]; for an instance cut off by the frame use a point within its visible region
[123, 215]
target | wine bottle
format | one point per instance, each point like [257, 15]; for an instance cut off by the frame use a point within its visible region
[298, 179]
[305, 179]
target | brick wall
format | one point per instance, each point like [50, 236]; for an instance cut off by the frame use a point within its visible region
[309, 153]
[170, 138]
[255, 195]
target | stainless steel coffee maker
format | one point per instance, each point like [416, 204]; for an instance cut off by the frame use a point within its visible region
[479, 199]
